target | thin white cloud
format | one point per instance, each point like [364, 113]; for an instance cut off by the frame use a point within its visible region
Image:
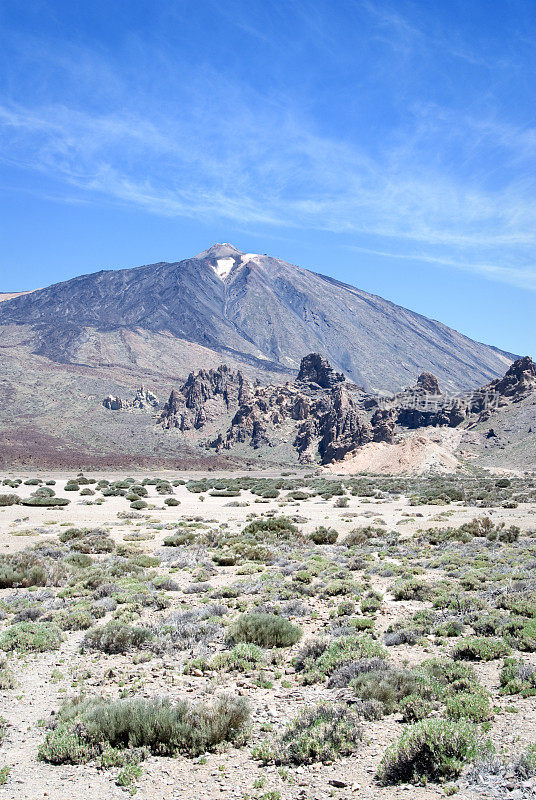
[223, 151]
[523, 278]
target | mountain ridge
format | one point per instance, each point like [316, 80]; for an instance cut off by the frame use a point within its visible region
[263, 311]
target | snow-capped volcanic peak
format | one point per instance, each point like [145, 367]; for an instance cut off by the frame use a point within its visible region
[223, 266]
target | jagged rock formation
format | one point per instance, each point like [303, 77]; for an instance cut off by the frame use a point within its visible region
[143, 399]
[321, 418]
[428, 383]
[424, 406]
[204, 397]
[317, 370]
[324, 417]
[519, 380]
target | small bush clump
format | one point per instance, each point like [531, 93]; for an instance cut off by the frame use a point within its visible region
[480, 648]
[31, 637]
[321, 733]
[84, 728]
[430, 750]
[265, 630]
[322, 535]
[116, 637]
[319, 659]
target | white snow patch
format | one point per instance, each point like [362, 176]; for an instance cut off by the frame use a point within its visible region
[224, 266]
[248, 257]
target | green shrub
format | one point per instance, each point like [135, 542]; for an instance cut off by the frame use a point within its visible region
[78, 619]
[27, 569]
[412, 589]
[281, 526]
[7, 679]
[9, 499]
[243, 657]
[172, 501]
[479, 648]
[178, 539]
[322, 535]
[413, 708]
[525, 767]
[319, 659]
[265, 630]
[518, 677]
[525, 638]
[64, 745]
[224, 558]
[321, 733]
[165, 728]
[27, 637]
[116, 637]
[474, 706]
[448, 677]
[45, 501]
[346, 608]
[137, 505]
[389, 687]
[340, 587]
[371, 602]
[432, 749]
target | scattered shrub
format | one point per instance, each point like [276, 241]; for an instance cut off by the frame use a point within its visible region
[518, 677]
[27, 637]
[479, 648]
[324, 535]
[265, 630]
[321, 733]
[116, 637]
[9, 499]
[433, 749]
[320, 659]
[165, 728]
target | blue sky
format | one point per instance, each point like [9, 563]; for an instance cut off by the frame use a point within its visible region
[388, 144]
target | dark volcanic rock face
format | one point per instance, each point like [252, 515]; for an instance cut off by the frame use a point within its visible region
[342, 428]
[325, 420]
[518, 381]
[428, 383]
[260, 311]
[322, 417]
[317, 370]
[204, 397]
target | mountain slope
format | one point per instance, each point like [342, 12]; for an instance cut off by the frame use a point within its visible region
[245, 309]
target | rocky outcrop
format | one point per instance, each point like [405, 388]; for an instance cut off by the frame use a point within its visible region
[422, 406]
[320, 416]
[114, 403]
[519, 380]
[143, 399]
[318, 371]
[204, 397]
[342, 429]
[450, 416]
[428, 383]
[383, 425]
[330, 421]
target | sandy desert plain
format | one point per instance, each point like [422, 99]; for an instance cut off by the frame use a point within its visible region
[332, 637]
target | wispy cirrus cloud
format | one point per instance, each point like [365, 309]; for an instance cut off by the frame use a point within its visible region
[445, 186]
[262, 165]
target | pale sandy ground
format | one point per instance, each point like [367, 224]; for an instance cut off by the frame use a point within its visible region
[229, 775]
